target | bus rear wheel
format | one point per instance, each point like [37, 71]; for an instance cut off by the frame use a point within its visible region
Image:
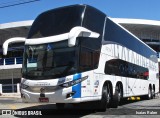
[153, 94]
[149, 96]
[116, 98]
[120, 93]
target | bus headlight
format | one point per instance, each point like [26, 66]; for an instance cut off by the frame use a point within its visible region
[23, 86]
[74, 82]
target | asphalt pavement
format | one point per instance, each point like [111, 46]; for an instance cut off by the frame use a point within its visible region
[131, 108]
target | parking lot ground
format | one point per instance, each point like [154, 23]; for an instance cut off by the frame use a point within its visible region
[142, 108]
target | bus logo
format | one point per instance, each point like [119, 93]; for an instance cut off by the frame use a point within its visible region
[42, 90]
[49, 47]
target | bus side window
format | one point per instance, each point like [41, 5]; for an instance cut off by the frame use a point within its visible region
[122, 68]
[85, 59]
[112, 67]
[95, 55]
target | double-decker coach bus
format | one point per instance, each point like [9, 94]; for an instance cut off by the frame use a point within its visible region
[77, 54]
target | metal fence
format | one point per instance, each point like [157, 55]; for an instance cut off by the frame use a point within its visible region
[11, 61]
[9, 88]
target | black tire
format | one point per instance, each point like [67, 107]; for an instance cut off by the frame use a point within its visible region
[60, 105]
[115, 99]
[106, 97]
[149, 96]
[153, 94]
[120, 93]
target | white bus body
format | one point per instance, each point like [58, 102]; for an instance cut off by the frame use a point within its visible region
[112, 63]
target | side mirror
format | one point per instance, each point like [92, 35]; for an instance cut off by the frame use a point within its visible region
[11, 40]
[80, 32]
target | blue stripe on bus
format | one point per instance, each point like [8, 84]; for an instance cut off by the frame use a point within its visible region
[76, 88]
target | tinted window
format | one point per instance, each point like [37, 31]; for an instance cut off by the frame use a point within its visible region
[91, 43]
[89, 59]
[116, 34]
[94, 20]
[86, 62]
[50, 60]
[90, 47]
[56, 21]
[125, 69]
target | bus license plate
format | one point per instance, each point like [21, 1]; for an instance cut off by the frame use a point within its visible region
[43, 100]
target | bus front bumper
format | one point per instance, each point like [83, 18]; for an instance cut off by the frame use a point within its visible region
[60, 96]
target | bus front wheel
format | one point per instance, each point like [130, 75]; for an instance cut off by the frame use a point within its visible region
[106, 97]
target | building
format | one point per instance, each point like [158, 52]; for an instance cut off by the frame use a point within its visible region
[147, 30]
[10, 65]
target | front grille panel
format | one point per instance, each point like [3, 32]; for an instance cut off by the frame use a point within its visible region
[37, 89]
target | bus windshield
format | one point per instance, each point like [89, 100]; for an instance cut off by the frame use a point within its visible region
[49, 60]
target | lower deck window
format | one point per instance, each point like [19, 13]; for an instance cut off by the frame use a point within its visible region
[123, 68]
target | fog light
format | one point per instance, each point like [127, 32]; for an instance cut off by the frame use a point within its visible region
[70, 94]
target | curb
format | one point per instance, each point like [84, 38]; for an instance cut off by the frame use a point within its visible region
[7, 95]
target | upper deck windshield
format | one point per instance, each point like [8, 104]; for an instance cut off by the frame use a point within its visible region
[56, 21]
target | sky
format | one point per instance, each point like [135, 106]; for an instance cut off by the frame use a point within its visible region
[136, 9]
